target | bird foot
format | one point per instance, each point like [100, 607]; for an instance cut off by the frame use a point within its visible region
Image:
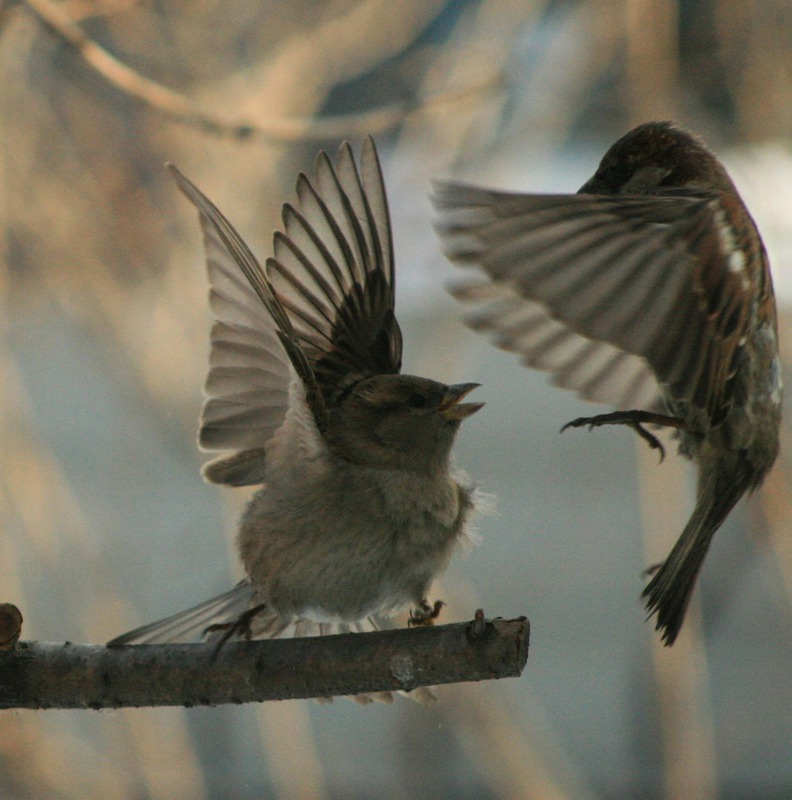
[425, 614]
[240, 626]
[633, 419]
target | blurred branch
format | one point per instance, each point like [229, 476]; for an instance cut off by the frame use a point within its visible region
[179, 107]
[86, 9]
[38, 675]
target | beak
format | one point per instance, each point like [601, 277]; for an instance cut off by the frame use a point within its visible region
[451, 409]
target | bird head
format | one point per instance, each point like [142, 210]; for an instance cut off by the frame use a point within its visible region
[654, 157]
[399, 422]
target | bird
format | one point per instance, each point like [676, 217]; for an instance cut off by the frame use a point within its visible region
[360, 505]
[649, 290]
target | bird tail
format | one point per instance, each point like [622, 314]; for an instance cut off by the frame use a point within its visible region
[226, 609]
[668, 593]
[190, 624]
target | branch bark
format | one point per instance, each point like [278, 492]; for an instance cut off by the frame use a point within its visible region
[40, 675]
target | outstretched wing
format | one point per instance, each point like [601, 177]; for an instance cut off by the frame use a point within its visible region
[324, 305]
[333, 271]
[644, 275]
[252, 339]
[597, 371]
[248, 380]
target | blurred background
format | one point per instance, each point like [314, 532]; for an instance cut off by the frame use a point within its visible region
[104, 520]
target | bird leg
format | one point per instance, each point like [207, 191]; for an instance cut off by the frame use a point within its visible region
[425, 614]
[633, 419]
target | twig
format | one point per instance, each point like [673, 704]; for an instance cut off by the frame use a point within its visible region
[122, 76]
[182, 109]
[39, 675]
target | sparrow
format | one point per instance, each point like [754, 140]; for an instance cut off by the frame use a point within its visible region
[648, 290]
[359, 506]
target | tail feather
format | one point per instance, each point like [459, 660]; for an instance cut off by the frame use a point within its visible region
[668, 593]
[190, 624]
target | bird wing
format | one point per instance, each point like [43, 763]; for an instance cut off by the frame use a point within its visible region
[253, 343]
[247, 384]
[644, 275]
[597, 371]
[333, 271]
[324, 305]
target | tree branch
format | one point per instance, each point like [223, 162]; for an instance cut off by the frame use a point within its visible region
[182, 109]
[39, 675]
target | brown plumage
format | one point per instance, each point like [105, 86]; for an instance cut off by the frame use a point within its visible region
[649, 290]
[360, 507]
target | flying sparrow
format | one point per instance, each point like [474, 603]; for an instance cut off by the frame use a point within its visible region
[649, 289]
[360, 507]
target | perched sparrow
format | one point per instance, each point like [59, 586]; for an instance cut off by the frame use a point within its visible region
[359, 507]
[649, 288]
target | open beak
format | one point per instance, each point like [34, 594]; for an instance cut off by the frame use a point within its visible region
[451, 409]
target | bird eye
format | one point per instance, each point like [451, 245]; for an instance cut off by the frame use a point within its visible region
[416, 401]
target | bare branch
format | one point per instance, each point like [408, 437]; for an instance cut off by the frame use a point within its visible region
[182, 109]
[39, 675]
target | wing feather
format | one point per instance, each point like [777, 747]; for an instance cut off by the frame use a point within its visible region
[323, 309]
[642, 274]
[520, 325]
[246, 399]
[246, 389]
[333, 270]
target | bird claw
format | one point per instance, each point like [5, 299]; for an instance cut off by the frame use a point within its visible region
[240, 626]
[653, 441]
[633, 419]
[425, 614]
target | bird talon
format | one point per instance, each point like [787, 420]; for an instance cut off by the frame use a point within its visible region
[425, 614]
[650, 438]
[240, 626]
[633, 419]
[576, 423]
